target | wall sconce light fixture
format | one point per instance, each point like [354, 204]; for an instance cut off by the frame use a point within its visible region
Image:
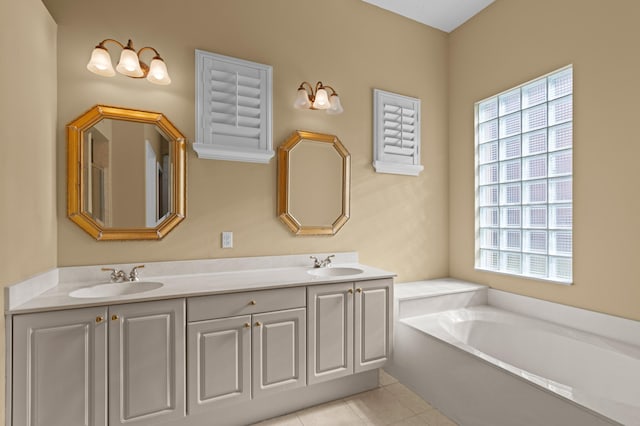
[318, 98]
[129, 64]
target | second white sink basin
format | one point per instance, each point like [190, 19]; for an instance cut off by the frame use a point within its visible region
[336, 271]
[115, 289]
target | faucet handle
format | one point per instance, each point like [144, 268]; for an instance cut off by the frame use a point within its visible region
[316, 262]
[114, 274]
[133, 275]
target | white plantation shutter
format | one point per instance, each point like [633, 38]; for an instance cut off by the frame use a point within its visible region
[233, 109]
[396, 143]
[524, 159]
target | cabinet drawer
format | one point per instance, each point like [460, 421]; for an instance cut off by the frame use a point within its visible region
[245, 303]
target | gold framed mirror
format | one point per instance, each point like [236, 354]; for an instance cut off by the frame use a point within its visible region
[125, 174]
[314, 175]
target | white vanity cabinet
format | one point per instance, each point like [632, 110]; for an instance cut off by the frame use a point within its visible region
[245, 345]
[349, 328]
[65, 362]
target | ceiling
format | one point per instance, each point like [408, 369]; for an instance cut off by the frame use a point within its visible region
[445, 15]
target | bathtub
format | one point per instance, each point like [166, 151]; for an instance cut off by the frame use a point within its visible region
[484, 365]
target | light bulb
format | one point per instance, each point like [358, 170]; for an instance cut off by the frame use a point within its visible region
[158, 73]
[335, 105]
[129, 63]
[302, 100]
[100, 62]
[322, 100]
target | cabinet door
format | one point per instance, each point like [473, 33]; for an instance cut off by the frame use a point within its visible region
[59, 368]
[279, 351]
[146, 362]
[330, 331]
[373, 304]
[219, 362]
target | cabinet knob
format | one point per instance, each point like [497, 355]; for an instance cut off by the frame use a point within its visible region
[258, 323]
[247, 325]
[114, 317]
[350, 291]
[359, 290]
[99, 319]
[253, 302]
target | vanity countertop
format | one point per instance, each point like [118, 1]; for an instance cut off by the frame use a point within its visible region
[179, 285]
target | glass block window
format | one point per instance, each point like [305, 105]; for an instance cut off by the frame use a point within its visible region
[524, 179]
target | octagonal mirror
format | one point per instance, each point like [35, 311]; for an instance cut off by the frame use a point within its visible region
[314, 172]
[125, 174]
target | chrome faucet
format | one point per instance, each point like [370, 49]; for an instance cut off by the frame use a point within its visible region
[321, 263]
[119, 276]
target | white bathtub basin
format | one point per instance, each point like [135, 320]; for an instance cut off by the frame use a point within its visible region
[115, 289]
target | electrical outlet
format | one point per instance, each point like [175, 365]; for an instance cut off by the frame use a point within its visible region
[227, 239]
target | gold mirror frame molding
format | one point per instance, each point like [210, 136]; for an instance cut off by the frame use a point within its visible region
[283, 184]
[75, 183]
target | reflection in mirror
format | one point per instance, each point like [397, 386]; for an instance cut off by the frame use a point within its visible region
[313, 183]
[126, 174]
[126, 170]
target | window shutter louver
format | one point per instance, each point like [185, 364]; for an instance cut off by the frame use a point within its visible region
[396, 134]
[233, 109]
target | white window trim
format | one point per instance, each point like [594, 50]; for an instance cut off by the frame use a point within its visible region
[478, 265]
[380, 163]
[203, 145]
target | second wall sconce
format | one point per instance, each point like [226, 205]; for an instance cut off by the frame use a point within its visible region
[318, 98]
[129, 63]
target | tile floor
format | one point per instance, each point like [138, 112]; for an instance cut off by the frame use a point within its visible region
[390, 404]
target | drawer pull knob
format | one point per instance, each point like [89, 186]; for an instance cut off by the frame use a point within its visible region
[99, 319]
[247, 325]
[359, 290]
[258, 323]
[114, 317]
[350, 291]
[253, 302]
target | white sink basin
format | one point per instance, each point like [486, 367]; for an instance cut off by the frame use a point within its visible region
[336, 271]
[115, 289]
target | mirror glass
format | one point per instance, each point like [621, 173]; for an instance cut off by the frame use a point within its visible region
[313, 190]
[126, 170]
[129, 181]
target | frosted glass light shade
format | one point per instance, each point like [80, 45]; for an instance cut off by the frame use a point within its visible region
[302, 100]
[158, 73]
[322, 100]
[129, 64]
[100, 63]
[335, 107]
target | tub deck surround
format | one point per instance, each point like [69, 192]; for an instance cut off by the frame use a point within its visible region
[182, 279]
[425, 297]
[521, 362]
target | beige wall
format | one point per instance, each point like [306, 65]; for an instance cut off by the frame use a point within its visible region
[398, 222]
[27, 135]
[517, 40]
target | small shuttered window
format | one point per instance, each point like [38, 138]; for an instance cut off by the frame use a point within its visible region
[524, 179]
[233, 109]
[396, 144]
